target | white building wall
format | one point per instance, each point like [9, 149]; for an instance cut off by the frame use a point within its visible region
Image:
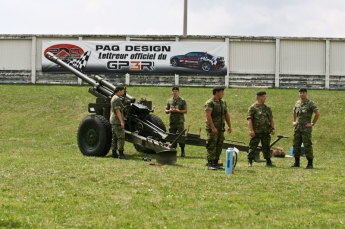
[337, 58]
[15, 54]
[95, 38]
[252, 57]
[302, 57]
[201, 39]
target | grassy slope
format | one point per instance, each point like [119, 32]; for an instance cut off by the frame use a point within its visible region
[46, 183]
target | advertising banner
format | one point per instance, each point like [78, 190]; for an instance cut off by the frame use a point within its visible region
[138, 57]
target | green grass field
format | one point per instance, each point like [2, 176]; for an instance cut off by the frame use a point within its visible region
[45, 182]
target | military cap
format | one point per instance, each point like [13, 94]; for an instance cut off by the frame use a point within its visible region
[303, 89]
[120, 87]
[218, 88]
[260, 93]
[175, 88]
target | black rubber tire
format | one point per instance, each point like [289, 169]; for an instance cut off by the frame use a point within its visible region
[156, 121]
[94, 136]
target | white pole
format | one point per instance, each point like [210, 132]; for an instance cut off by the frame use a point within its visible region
[33, 60]
[327, 64]
[277, 71]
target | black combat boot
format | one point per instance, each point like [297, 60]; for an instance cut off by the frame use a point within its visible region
[269, 162]
[296, 164]
[114, 154]
[250, 162]
[122, 156]
[310, 164]
[183, 154]
[211, 165]
[218, 166]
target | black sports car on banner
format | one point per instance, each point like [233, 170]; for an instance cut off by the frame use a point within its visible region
[201, 60]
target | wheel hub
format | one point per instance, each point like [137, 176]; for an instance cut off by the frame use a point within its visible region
[91, 137]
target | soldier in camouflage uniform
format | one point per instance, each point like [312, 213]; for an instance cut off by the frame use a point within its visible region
[216, 116]
[261, 125]
[176, 107]
[117, 123]
[303, 111]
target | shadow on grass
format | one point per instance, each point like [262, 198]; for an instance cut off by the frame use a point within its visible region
[140, 156]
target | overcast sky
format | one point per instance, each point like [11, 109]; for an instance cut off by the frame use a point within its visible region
[286, 18]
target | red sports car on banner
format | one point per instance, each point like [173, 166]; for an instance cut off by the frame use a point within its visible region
[201, 60]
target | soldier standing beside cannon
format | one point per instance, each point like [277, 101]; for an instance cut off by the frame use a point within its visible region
[117, 123]
[216, 116]
[176, 107]
[261, 125]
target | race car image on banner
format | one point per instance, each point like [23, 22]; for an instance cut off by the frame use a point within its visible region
[202, 60]
[138, 57]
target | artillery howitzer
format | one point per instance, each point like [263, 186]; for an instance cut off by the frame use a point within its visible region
[146, 131]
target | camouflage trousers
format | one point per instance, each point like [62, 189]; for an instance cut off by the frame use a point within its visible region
[305, 138]
[118, 138]
[265, 143]
[174, 128]
[214, 144]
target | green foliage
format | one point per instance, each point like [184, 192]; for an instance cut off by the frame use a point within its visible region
[45, 182]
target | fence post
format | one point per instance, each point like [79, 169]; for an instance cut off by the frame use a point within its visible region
[277, 71]
[33, 60]
[127, 78]
[177, 79]
[227, 42]
[327, 64]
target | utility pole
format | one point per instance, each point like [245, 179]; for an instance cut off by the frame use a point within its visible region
[185, 18]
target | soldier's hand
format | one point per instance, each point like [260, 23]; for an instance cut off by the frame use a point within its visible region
[214, 131]
[273, 132]
[252, 133]
[229, 130]
[308, 125]
[294, 123]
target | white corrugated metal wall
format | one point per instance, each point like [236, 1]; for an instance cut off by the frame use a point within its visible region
[253, 61]
[302, 57]
[337, 58]
[252, 57]
[15, 54]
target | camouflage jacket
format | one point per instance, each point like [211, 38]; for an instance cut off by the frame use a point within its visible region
[116, 104]
[180, 103]
[304, 112]
[260, 114]
[219, 109]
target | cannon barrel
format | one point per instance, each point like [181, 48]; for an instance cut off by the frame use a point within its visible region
[100, 84]
[50, 56]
